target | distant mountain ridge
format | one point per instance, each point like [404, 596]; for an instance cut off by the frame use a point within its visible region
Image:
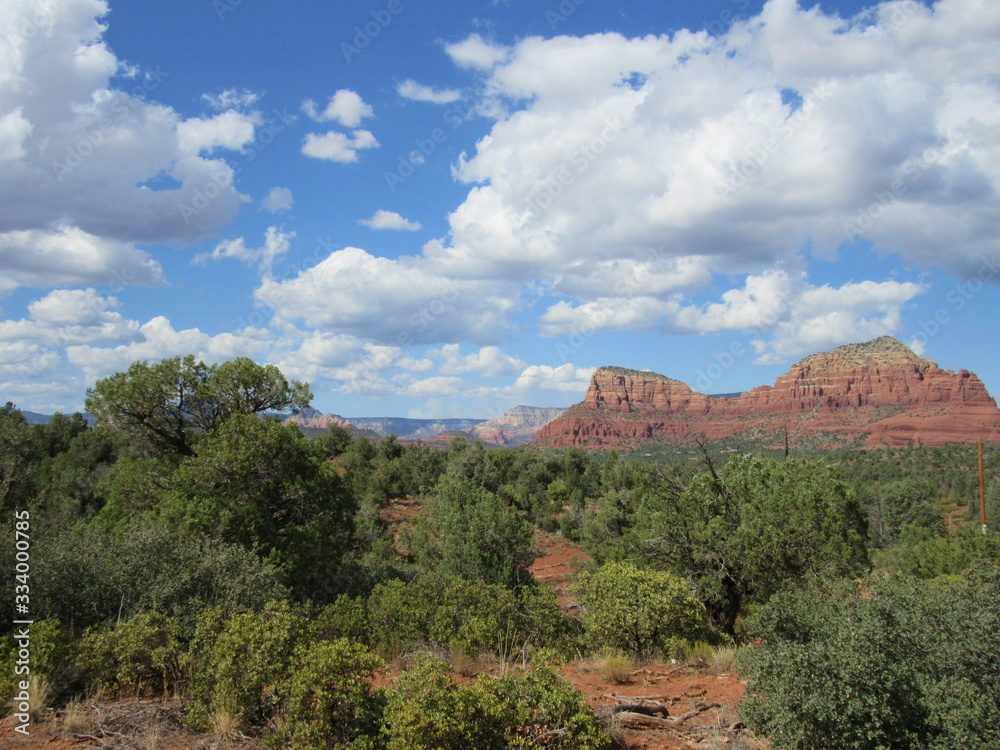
[870, 394]
[517, 426]
[405, 428]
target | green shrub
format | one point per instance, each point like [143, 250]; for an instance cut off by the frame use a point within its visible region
[424, 711]
[51, 661]
[465, 530]
[92, 576]
[899, 665]
[534, 710]
[640, 612]
[346, 617]
[239, 663]
[329, 702]
[538, 709]
[141, 656]
[921, 553]
[443, 610]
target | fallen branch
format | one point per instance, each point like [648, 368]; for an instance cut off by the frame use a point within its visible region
[644, 716]
[639, 708]
[641, 698]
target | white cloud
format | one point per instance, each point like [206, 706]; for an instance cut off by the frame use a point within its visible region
[334, 146]
[14, 131]
[276, 244]
[25, 361]
[489, 361]
[66, 316]
[605, 314]
[279, 199]
[475, 52]
[383, 219]
[826, 317]
[345, 107]
[158, 339]
[564, 378]
[231, 99]
[410, 89]
[80, 153]
[399, 301]
[67, 256]
[433, 387]
[606, 147]
[230, 130]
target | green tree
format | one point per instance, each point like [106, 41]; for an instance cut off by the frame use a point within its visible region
[19, 457]
[468, 531]
[742, 533]
[263, 485]
[169, 402]
[643, 612]
[894, 506]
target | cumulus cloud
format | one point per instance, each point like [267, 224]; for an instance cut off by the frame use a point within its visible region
[383, 219]
[475, 52]
[229, 130]
[410, 89]
[399, 301]
[279, 199]
[345, 106]
[80, 152]
[627, 173]
[71, 316]
[276, 244]
[158, 339]
[334, 146]
[68, 255]
[489, 361]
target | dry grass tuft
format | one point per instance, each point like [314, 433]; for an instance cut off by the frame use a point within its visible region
[463, 664]
[616, 668]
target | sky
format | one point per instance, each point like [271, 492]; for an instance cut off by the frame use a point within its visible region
[449, 209]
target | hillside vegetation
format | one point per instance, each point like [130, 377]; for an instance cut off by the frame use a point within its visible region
[186, 546]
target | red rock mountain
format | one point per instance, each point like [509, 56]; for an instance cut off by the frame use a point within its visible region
[874, 394]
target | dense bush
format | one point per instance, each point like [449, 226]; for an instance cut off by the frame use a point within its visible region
[52, 661]
[239, 662]
[898, 665]
[141, 656]
[534, 710]
[641, 612]
[328, 702]
[468, 531]
[446, 611]
[921, 553]
[90, 576]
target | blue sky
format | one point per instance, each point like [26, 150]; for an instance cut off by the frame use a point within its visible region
[449, 209]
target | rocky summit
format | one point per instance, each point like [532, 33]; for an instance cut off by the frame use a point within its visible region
[878, 393]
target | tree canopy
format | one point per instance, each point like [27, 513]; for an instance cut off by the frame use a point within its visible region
[744, 532]
[170, 402]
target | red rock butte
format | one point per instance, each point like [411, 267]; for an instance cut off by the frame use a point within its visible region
[874, 394]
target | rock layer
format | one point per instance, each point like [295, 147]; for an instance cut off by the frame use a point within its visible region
[516, 426]
[872, 394]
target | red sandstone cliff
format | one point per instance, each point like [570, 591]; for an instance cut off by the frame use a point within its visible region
[877, 393]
